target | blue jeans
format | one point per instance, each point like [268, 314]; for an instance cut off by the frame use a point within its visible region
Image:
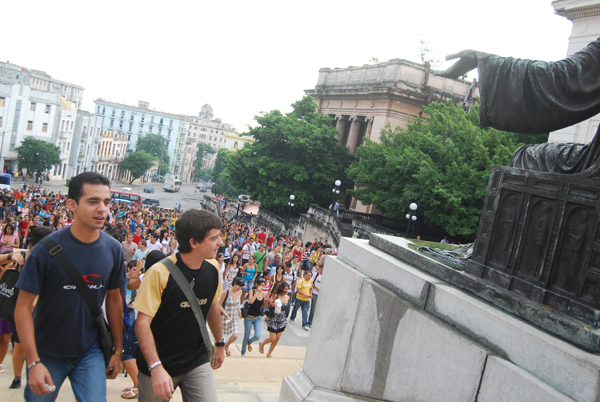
[313, 305]
[248, 324]
[87, 375]
[305, 304]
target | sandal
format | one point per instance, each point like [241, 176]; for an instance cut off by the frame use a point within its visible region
[227, 352]
[127, 389]
[130, 394]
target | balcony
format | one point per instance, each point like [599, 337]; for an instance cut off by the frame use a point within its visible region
[94, 159]
[80, 158]
[97, 140]
[63, 134]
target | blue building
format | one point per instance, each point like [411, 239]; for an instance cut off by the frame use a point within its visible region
[141, 120]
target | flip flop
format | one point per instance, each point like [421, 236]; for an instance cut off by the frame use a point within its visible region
[131, 394]
[227, 352]
[127, 389]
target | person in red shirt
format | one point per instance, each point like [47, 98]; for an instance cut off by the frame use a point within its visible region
[262, 236]
[137, 236]
[270, 241]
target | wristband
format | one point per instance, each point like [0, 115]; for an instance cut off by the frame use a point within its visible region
[118, 352]
[154, 365]
[29, 366]
[220, 344]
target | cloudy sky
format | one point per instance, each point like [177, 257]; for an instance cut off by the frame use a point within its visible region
[245, 57]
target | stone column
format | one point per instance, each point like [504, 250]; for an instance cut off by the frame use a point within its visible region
[352, 142]
[340, 125]
[369, 121]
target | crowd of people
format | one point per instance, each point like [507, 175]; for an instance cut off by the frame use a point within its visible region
[264, 275]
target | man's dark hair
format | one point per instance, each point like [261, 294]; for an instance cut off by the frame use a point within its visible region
[38, 234]
[195, 224]
[77, 182]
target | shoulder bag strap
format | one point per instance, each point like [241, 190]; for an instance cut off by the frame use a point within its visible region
[56, 251]
[184, 285]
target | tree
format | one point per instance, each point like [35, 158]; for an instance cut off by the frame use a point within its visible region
[442, 163]
[37, 155]
[425, 51]
[220, 162]
[137, 163]
[154, 144]
[203, 150]
[204, 174]
[297, 154]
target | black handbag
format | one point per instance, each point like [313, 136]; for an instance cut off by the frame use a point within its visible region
[245, 310]
[8, 294]
[60, 256]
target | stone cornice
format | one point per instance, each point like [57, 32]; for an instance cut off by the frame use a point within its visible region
[576, 9]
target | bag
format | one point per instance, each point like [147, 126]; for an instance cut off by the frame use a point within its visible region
[226, 297]
[269, 312]
[245, 310]
[184, 285]
[8, 294]
[66, 264]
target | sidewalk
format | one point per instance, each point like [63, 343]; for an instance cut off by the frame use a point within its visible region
[253, 378]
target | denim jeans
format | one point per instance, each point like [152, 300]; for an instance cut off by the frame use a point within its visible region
[313, 305]
[305, 304]
[87, 375]
[248, 324]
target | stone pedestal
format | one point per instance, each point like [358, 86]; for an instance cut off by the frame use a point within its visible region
[387, 331]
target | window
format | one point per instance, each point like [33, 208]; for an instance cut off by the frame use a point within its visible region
[122, 113]
[161, 121]
[2, 101]
[112, 123]
[62, 125]
[103, 111]
[30, 125]
[48, 109]
[130, 126]
[151, 119]
[72, 123]
[32, 106]
[68, 145]
[98, 109]
[44, 127]
[171, 123]
[113, 113]
[120, 125]
[143, 117]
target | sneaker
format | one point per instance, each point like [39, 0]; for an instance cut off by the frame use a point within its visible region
[306, 328]
[309, 325]
[16, 383]
[291, 321]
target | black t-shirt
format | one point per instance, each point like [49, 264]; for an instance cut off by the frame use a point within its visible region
[176, 332]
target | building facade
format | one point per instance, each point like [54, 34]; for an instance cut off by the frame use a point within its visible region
[364, 100]
[86, 143]
[136, 121]
[585, 15]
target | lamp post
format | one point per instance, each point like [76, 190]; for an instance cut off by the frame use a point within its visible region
[336, 193]
[237, 215]
[291, 204]
[411, 216]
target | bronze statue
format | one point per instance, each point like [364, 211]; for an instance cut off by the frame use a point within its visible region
[533, 97]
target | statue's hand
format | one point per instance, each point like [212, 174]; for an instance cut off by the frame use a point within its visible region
[467, 62]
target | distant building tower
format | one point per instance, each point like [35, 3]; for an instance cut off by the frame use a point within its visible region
[206, 112]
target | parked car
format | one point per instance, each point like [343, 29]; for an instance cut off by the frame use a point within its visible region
[150, 201]
[127, 189]
[148, 189]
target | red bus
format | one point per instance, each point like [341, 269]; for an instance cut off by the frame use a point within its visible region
[116, 195]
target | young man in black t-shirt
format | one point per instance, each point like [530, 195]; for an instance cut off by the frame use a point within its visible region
[174, 353]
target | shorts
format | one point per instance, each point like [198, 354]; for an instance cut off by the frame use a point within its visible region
[248, 285]
[15, 336]
[6, 327]
[275, 331]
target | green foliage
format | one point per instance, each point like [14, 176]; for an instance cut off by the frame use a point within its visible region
[220, 162]
[297, 154]
[154, 144]
[443, 164]
[203, 150]
[223, 187]
[37, 155]
[203, 174]
[137, 163]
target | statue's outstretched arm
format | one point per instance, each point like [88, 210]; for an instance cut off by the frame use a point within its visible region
[467, 61]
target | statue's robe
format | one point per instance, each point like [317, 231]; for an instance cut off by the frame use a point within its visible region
[533, 97]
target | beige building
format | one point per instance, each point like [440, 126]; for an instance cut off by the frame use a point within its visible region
[585, 15]
[364, 100]
[110, 155]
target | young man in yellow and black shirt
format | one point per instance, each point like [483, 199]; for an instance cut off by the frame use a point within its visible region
[170, 340]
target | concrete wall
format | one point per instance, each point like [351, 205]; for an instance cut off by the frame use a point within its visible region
[386, 331]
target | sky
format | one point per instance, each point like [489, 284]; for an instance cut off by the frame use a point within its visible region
[243, 57]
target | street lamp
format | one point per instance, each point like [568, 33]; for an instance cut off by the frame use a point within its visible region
[411, 216]
[291, 204]
[237, 215]
[336, 193]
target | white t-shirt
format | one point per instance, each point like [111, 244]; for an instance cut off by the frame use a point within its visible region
[155, 246]
[316, 278]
